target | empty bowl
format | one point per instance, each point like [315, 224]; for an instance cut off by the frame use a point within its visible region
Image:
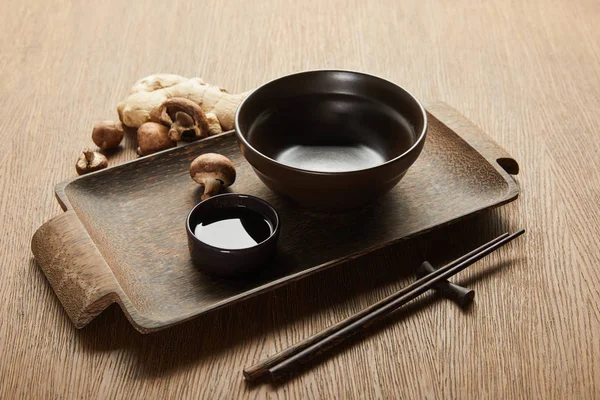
[330, 140]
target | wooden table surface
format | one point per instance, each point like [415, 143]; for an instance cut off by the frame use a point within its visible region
[527, 72]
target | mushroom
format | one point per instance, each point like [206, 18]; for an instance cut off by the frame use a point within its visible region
[153, 137]
[186, 119]
[212, 171]
[90, 161]
[108, 134]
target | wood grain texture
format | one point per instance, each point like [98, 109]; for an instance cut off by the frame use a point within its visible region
[123, 238]
[525, 71]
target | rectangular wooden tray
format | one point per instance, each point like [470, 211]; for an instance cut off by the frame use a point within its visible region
[122, 238]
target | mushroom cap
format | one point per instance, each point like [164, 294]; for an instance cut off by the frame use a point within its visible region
[90, 161]
[153, 137]
[183, 115]
[108, 134]
[213, 166]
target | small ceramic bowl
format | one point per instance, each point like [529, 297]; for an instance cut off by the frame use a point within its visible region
[231, 262]
[330, 140]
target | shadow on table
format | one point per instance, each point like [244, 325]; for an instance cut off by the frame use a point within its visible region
[250, 322]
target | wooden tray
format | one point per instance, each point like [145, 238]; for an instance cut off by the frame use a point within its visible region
[122, 238]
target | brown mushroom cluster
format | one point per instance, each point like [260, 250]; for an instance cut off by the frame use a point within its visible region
[106, 135]
[176, 119]
[165, 109]
[183, 119]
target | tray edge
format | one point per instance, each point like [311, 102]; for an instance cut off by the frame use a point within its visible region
[494, 154]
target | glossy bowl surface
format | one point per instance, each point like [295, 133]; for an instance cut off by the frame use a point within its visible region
[330, 140]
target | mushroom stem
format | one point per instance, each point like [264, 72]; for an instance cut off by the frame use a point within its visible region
[211, 187]
[89, 155]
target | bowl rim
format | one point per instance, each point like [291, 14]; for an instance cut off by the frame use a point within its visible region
[252, 249]
[418, 142]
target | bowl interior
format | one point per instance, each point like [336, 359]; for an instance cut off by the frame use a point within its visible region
[330, 121]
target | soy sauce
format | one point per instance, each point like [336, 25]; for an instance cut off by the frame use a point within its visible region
[233, 228]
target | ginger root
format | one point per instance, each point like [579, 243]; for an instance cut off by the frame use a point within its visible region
[146, 96]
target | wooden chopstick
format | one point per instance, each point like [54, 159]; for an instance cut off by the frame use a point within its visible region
[283, 368]
[262, 368]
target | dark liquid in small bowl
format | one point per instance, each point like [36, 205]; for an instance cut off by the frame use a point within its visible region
[233, 228]
[331, 133]
[232, 234]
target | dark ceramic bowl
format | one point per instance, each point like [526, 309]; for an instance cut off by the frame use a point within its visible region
[231, 263]
[330, 140]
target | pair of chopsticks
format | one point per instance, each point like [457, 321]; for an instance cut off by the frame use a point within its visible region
[282, 363]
